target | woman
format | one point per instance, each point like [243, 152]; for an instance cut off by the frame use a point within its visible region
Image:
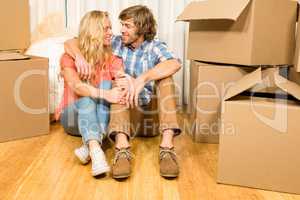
[84, 109]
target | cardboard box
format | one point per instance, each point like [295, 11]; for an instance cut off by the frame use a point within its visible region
[24, 98]
[208, 84]
[245, 32]
[259, 138]
[15, 24]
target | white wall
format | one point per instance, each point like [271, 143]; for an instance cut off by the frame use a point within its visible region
[39, 9]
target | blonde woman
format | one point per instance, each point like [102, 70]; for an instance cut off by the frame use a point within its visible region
[85, 107]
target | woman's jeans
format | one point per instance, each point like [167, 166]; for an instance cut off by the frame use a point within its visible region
[87, 117]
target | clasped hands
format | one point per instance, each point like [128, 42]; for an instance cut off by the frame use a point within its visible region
[130, 88]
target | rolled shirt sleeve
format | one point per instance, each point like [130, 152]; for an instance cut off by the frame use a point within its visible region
[162, 52]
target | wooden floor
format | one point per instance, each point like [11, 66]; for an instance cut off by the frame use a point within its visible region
[45, 168]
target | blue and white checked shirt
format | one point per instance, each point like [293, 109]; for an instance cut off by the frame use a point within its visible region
[140, 60]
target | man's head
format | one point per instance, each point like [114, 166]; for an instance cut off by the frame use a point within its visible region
[137, 22]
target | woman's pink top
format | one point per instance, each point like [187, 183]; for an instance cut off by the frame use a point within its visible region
[69, 95]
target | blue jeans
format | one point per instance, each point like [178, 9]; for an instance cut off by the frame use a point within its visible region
[87, 117]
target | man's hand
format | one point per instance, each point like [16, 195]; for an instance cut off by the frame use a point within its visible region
[83, 68]
[132, 85]
[138, 86]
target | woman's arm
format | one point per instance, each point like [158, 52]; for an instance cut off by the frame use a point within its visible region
[115, 95]
[80, 88]
[119, 77]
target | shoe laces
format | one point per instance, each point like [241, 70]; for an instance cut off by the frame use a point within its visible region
[122, 153]
[164, 152]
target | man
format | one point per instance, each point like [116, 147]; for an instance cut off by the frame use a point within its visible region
[146, 60]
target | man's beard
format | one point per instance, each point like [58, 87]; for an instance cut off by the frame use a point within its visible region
[131, 40]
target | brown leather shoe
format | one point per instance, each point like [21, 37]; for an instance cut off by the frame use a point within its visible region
[121, 165]
[169, 167]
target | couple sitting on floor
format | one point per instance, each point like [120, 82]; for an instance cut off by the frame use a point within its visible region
[106, 76]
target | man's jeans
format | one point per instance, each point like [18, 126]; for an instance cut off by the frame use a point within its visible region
[87, 117]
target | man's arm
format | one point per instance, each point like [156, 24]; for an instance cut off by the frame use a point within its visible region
[83, 68]
[71, 47]
[161, 70]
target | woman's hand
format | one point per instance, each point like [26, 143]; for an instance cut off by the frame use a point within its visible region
[115, 95]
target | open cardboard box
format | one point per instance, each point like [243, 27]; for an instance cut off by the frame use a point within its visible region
[245, 32]
[259, 138]
[208, 84]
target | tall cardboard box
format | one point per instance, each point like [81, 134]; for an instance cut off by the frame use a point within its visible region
[259, 138]
[24, 98]
[15, 24]
[208, 84]
[245, 32]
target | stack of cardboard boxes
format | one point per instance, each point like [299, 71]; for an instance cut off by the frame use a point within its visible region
[23, 79]
[240, 96]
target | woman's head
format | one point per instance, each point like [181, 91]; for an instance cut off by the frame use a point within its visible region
[95, 36]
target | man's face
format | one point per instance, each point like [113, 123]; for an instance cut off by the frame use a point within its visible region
[128, 31]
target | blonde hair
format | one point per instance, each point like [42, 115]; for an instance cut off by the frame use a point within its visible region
[91, 33]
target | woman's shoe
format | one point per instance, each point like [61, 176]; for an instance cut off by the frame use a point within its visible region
[99, 164]
[82, 153]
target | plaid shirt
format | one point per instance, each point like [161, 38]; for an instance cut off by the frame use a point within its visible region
[140, 60]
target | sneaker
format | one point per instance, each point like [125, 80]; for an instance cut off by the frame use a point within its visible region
[99, 164]
[82, 153]
[121, 165]
[169, 167]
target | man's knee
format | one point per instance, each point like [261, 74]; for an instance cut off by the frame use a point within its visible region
[119, 109]
[168, 81]
[165, 90]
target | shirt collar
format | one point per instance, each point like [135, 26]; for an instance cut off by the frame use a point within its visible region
[141, 47]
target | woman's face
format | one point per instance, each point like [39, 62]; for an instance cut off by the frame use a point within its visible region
[107, 32]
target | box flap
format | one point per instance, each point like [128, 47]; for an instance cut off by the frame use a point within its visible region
[269, 78]
[287, 86]
[213, 9]
[244, 84]
[12, 56]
